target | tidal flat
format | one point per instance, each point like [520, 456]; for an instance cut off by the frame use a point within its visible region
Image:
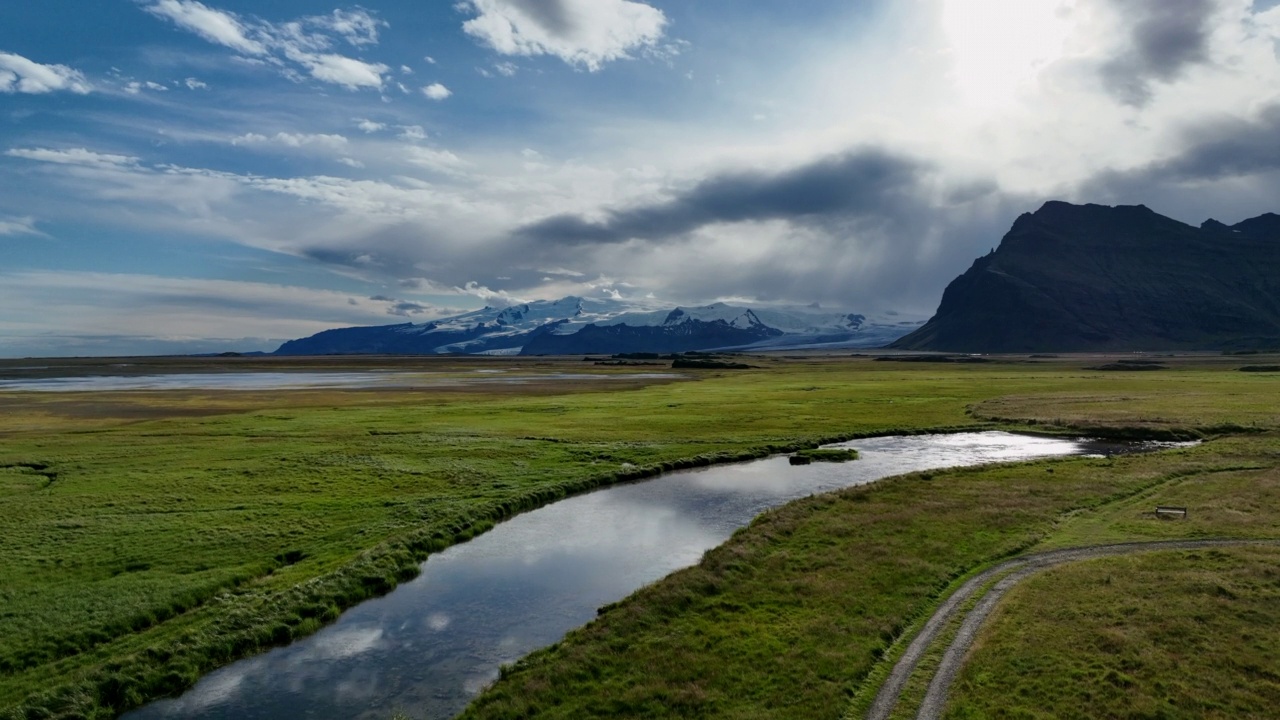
[155, 535]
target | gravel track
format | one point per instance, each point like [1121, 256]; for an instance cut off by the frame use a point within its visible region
[1015, 571]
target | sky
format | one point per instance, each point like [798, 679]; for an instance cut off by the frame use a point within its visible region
[180, 176]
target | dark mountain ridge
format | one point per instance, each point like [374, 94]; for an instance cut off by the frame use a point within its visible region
[1075, 278]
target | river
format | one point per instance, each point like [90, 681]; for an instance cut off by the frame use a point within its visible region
[432, 644]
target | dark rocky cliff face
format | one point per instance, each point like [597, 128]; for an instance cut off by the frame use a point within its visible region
[1089, 277]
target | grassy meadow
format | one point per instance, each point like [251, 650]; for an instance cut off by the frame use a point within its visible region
[152, 536]
[1154, 635]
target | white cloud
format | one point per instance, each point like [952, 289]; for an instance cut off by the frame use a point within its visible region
[74, 156]
[586, 33]
[351, 162]
[341, 70]
[438, 160]
[369, 126]
[305, 42]
[216, 26]
[18, 74]
[194, 84]
[506, 69]
[430, 60]
[357, 26]
[135, 87]
[412, 132]
[406, 70]
[436, 91]
[18, 226]
[292, 140]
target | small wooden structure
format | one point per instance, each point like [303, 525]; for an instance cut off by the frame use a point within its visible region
[1170, 512]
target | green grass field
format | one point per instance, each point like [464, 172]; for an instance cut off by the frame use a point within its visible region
[152, 536]
[1156, 635]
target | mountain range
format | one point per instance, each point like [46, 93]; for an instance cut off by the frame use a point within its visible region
[578, 325]
[1075, 278]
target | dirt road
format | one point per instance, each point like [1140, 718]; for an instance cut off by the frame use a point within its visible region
[1013, 571]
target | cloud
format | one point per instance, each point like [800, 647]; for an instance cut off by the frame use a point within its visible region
[863, 183]
[194, 84]
[369, 126]
[1225, 167]
[292, 140]
[341, 70]
[74, 156]
[135, 87]
[1165, 38]
[438, 160]
[436, 91]
[216, 26]
[404, 308]
[305, 42]
[20, 75]
[869, 228]
[106, 313]
[585, 33]
[357, 26]
[412, 133]
[18, 226]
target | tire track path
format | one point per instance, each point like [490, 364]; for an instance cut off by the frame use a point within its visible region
[1014, 571]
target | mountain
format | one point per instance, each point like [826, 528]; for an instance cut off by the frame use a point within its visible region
[575, 325]
[1071, 278]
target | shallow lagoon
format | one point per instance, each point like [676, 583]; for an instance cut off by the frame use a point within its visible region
[433, 643]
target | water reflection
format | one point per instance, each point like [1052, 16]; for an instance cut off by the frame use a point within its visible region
[432, 644]
[297, 380]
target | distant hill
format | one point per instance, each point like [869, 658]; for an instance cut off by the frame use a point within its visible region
[575, 325]
[1071, 278]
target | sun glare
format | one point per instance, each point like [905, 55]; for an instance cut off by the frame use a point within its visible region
[998, 46]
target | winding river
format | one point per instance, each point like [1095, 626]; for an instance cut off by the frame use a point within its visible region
[433, 643]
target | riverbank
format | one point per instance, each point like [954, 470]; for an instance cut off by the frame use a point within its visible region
[222, 524]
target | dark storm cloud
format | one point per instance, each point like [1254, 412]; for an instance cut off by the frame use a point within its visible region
[870, 183]
[405, 309]
[1225, 149]
[1166, 37]
[1228, 169]
[863, 229]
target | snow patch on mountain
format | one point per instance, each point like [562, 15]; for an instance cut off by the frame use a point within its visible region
[507, 330]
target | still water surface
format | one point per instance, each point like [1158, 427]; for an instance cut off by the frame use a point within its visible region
[430, 645]
[301, 380]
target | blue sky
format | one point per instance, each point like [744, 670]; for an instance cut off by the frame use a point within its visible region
[182, 176]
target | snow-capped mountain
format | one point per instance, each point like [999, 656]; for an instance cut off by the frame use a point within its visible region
[576, 325]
